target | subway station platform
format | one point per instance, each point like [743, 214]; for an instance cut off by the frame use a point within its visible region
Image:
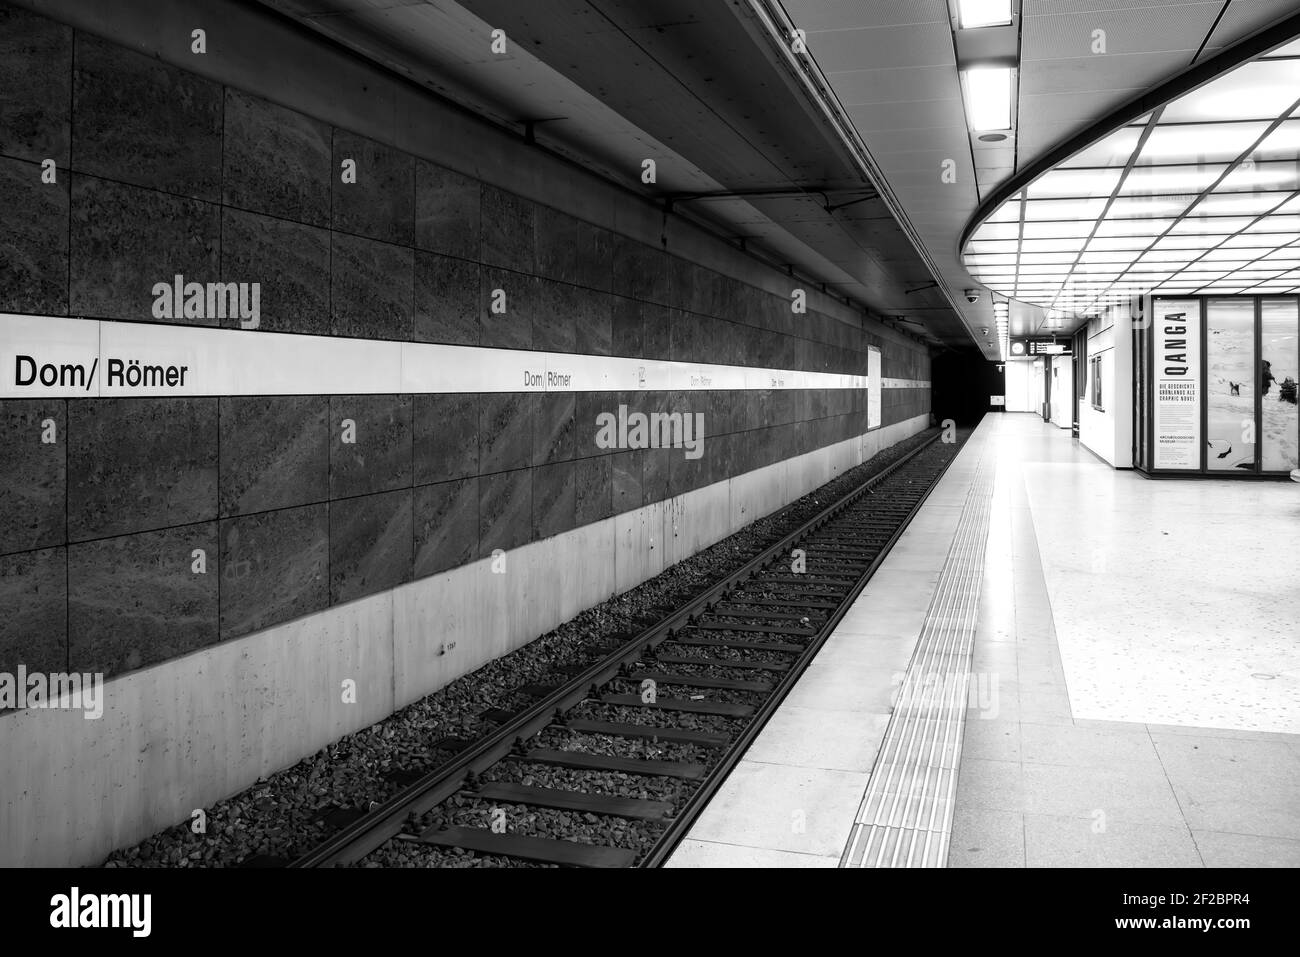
[1059, 664]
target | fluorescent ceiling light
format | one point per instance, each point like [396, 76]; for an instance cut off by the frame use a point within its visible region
[1291, 49]
[1171, 179]
[1191, 241]
[1050, 246]
[1209, 225]
[1040, 210]
[1128, 207]
[1077, 229]
[1283, 143]
[1039, 259]
[1262, 90]
[1113, 151]
[981, 246]
[1204, 142]
[1228, 204]
[1009, 230]
[1075, 183]
[988, 98]
[983, 13]
[1252, 240]
[1278, 224]
[1267, 176]
[1210, 191]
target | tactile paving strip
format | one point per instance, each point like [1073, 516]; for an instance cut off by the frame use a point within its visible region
[905, 819]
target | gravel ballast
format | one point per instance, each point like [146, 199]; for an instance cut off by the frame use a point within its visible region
[279, 816]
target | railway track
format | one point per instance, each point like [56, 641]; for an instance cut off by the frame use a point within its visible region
[699, 685]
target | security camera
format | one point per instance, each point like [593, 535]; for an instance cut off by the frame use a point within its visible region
[972, 295]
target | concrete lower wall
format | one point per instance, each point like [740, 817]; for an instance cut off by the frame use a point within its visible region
[196, 729]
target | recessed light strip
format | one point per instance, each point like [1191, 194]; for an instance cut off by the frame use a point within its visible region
[989, 92]
[1000, 312]
[1235, 164]
[1114, 194]
[1244, 211]
[1135, 271]
[983, 13]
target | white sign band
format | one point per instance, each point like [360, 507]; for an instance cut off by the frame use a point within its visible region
[51, 356]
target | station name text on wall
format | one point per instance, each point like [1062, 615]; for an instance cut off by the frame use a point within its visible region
[122, 373]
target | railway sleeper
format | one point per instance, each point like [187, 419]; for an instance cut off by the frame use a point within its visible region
[694, 681]
[584, 761]
[749, 613]
[619, 729]
[876, 523]
[611, 804]
[854, 549]
[798, 631]
[544, 849]
[845, 554]
[786, 603]
[724, 708]
[784, 647]
[722, 663]
[808, 588]
[848, 552]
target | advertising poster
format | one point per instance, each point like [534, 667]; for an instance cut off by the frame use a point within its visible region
[1176, 423]
[1279, 371]
[1230, 385]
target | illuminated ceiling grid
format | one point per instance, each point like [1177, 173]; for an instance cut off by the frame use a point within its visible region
[1200, 196]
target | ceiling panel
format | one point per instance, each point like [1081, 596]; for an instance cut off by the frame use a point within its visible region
[847, 14]
[1125, 71]
[892, 86]
[1244, 17]
[939, 139]
[1055, 31]
[1040, 137]
[885, 118]
[1082, 108]
[994, 159]
[883, 47]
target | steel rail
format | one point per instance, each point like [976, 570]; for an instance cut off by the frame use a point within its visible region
[682, 822]
[384, 822]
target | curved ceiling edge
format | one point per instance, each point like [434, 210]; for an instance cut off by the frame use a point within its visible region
[1194, 76]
